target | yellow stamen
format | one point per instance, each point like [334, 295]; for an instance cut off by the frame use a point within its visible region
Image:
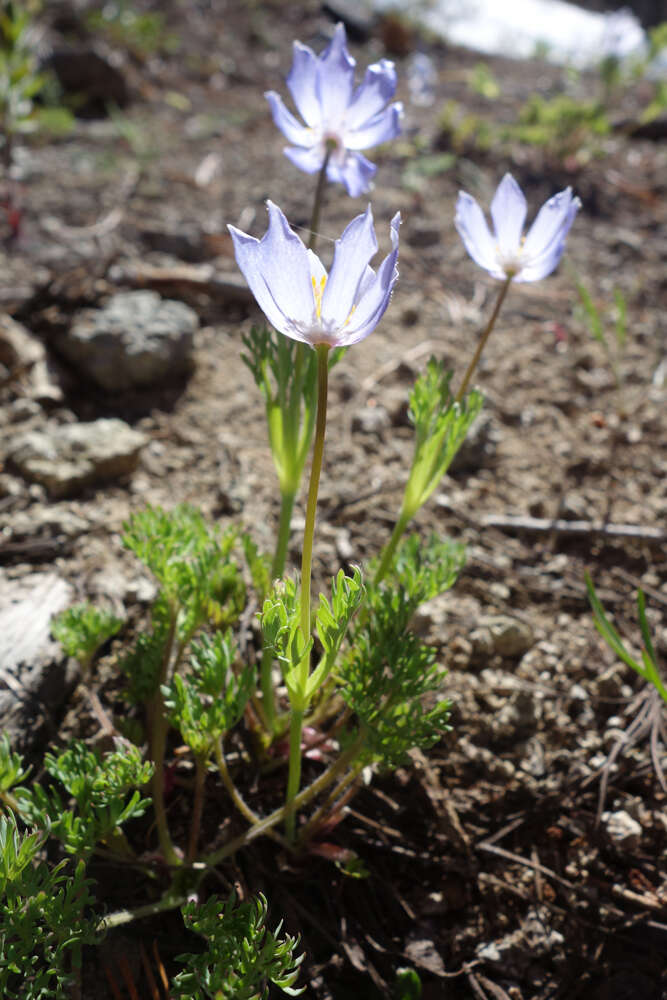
[318, 292]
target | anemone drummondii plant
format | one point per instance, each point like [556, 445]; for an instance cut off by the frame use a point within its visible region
[323, 310]
[340, 120]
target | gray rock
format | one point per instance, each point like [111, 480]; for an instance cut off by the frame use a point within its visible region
[67, 459]
[501, 635]
[138, 339]
[371, 420]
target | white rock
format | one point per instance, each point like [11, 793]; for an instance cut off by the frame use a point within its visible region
[622, 829]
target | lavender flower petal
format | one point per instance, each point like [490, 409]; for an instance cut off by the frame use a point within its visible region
[283, 119]
[302, 84]
[375, 293]
[385, 126]
[372, 94]
[356, 173]
[552, 223]
[309, 160]
[508, 211]
[473, 229]
[335, 79]
[277, 270]
[352, 255]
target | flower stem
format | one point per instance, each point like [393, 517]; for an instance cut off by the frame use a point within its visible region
[313, 487]
[297, 713]
[294, 772]
[485, 336]
[319, 198]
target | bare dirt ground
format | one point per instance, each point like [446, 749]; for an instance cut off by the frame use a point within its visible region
[487, 871]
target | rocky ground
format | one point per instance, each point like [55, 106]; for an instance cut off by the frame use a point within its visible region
[488, 872]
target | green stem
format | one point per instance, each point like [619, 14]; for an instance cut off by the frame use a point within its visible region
[121, 917]
[171, 902]
[319, 198]
[311, 507]
[390, 548]
[294, 773]
[158, 743]
[319, 816]
[303, 798]
[485, 336]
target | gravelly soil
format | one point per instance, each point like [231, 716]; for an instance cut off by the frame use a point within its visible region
[487, 870]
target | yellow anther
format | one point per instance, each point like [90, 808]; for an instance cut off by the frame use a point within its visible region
[318, 292]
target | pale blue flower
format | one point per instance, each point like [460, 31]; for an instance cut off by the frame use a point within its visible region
[336, 116]
[300, 299]
[507, 253]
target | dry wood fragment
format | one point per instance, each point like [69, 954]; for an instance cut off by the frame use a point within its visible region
[201, 278]
[545, 525]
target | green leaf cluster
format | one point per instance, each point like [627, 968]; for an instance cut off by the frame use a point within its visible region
[281, 630]
[286, 375]
[200, 584]
[242, 956]
[209, 700]
[104, 791]
[43, 919]
[332, 622]
[560, 123]
[82, 629]
[441, 425]
[390, 679]
[648, 667]
[12, 771]
[425, 569]
[20, 78]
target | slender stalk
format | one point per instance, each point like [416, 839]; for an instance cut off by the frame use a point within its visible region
[390, 548]
[121, 917]
[303, 798]
[197, 807]
[319, 198]
[296, 715]
[318, 817]
[315, 470]
[232, 790]
[171, 902]
[158, 743]
[483, 339]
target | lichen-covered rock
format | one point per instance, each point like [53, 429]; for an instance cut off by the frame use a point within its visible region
[67, 459]
[136, 340]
